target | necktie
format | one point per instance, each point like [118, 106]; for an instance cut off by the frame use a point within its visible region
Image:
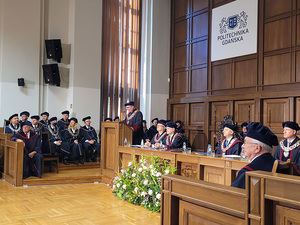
[226, 143]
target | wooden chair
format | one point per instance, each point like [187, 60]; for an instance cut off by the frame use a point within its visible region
[283, 167]
[47, 153]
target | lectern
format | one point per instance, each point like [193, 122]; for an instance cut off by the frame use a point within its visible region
[113, 134]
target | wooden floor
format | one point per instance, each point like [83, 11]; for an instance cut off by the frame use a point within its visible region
[69, 204]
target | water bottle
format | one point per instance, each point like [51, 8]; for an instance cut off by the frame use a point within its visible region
[125, 142]
[161, 146]
[142, 143]
[184, 147]
[209, 151]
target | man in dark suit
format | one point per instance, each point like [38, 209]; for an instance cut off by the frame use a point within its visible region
[32, 160]
[258, 147]
[289, 148]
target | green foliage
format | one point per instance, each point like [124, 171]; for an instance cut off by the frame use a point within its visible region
[140, 183]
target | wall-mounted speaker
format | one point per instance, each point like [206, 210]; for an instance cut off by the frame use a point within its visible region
[53, 49]
[51, 74]
[21, 82]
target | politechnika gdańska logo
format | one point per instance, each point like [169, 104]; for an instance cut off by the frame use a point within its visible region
[233, 28]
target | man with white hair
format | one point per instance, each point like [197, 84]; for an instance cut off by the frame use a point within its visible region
[258, 147]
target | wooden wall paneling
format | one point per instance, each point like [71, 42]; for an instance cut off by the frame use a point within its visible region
[298, 27]
[277, 69]
[298, 64]
[197, 114]
[199, 5]
[221, 109]
[180, 57]
[277, 34]
[242, 110]
[181, 82]
[275, 112]
[297, 110]
[199, 80]
[277, 7]
[180, 29]
[198, 140]
[180, 112]
[181, 7]
[221, 76]
[245, 73]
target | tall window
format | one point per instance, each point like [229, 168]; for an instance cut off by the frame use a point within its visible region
[120, 55]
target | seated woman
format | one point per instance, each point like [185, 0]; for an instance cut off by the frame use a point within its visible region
[160, 136]
[230, 145]
[71, 136]
[173, 140]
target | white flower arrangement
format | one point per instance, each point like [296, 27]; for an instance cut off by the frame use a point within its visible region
[140, 182]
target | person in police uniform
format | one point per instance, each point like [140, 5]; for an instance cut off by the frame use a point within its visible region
[89, 140]
[289, 147]
[37, 127]
[72, 137]
[134, 118]
[258, 147]
[14, 126]
[230, 145]
[173, 140]
[56, 141]
[45, 119]
[32, 158]
[63, 123]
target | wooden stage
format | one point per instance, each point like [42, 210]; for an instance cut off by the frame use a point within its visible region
[68, 174]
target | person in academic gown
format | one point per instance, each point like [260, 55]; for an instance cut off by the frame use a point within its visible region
[258, 147]
[32, 158]
[14, 126]
[153, 129]
[45, 119]
[173, 140]
[179, 128]
[160, 136]
[230, 145]
[244, 130]
[63, 123]
[72, 137]
[89, 140]
[289, 148]
[56, 141]
[134, 119]
[24, 117]
[37, 127]
[145, 131]
[117, 119]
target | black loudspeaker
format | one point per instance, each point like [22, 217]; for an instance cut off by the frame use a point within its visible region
[21, 82]
[53, 49]
[51, 74]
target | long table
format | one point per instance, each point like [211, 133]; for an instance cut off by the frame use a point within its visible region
[212, 169]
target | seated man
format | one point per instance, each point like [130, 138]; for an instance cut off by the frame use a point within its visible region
[37, 127]
[14, 126]
[56, 142]
[89, 140]
[24, 117]
[289, 148]
[230, 145]
[258, 147]
[44, 121]
[160, 136]
[173, 140]
[108, 119]
[145, 131]
[63, 123]
[117, 119]
[153, 129]
[32, 160]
